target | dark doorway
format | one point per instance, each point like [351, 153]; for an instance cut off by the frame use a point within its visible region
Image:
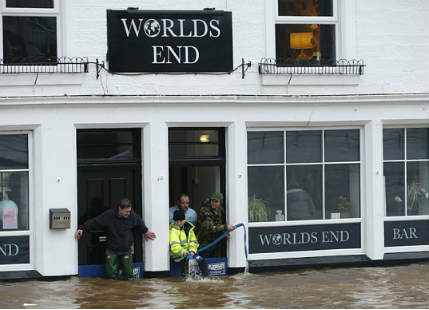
[109, 168]
[197, 164]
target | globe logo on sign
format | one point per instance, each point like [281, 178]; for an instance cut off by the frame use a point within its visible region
[277, 239]
[152, 28]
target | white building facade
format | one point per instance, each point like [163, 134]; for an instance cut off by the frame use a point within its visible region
[323, 160]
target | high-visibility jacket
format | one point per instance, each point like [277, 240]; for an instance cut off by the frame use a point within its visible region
[179, 242]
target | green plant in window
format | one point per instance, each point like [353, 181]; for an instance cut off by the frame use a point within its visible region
[415, 194]
[257, 209]
[343, 204]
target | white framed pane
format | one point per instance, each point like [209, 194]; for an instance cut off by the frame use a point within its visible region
[306, 44]
[342, 145]
[305, 7]
[304, 192]
[393, 143]
[417, 143]
[304, 146]
[13, 151]
[14, 201]
[418, 188]
[342, 188]
[395, 189]
[266, 193]
[265, 147]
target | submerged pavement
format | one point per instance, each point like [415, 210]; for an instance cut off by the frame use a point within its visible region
[400, 286]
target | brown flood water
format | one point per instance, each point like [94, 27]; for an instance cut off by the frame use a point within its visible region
[401, 286]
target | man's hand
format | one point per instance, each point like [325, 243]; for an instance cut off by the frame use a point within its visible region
[231, 227]
[78, 234]
[185, 254]
[149, 235]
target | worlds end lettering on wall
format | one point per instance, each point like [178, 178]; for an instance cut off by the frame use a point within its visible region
[14, 250]
[304, 238]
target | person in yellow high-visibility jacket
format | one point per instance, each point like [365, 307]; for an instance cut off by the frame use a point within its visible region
[183, 242]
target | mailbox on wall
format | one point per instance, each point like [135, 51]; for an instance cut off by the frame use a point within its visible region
[59, 218]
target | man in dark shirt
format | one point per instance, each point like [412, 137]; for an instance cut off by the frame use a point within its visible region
[119, 223]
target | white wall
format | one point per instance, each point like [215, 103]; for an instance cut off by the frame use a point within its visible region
[54, 122]
[395, 50]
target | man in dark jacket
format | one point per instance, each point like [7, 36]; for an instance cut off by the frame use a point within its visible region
[119, 223]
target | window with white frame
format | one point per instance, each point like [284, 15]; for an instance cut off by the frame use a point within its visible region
[306, 31]
[303, 174]
[29, 31]
[14, 182]
[406, 171]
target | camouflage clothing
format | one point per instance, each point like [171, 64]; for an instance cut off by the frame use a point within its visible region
[210, 223]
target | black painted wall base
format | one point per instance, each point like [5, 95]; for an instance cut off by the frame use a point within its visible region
[19, 275]
[334, 261]
[405, 256]
[235, 270]
[157, 274]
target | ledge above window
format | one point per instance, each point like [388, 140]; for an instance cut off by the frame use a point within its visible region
[342, 72]
[47, 71]
[46, 65]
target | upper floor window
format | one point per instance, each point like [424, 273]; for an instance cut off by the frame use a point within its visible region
[406, 171]
[306, 31]
[29, 31]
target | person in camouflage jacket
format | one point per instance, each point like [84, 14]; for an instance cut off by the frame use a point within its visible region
[211, 225]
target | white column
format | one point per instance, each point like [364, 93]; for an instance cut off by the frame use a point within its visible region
[55, 187]
[237, 191]
[373, 214]
[155, 195]
[270, 29]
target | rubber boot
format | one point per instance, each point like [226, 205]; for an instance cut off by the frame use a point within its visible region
[112, 261]
[127, 267]
[203, 268]
[183, 267]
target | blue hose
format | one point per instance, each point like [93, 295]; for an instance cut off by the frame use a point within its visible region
[223, 236]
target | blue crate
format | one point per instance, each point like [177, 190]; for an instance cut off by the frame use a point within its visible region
[216, 266]
[99, 271]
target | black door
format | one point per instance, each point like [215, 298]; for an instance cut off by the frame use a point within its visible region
[109, 168]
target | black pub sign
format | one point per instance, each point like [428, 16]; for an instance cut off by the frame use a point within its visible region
[405, 233]
[14, 250]
[304, 238]
[169, 41]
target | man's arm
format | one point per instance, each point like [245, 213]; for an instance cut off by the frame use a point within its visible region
[207, 223]
[149, 235]
[96, 223]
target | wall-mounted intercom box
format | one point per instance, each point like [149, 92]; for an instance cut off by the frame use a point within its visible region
[59, 218]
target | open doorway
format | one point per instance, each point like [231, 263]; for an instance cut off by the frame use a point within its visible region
[198, 182]
[197, 164]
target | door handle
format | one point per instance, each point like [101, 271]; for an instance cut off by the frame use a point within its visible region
[102, 238]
